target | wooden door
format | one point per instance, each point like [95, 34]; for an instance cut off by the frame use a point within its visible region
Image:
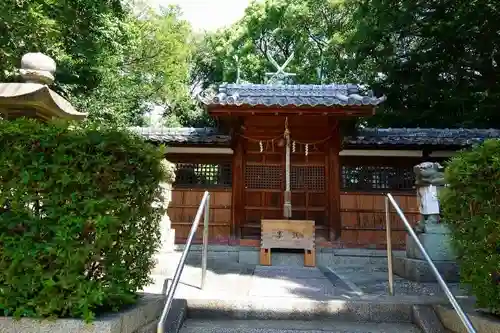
[264, 185]
[264, 173]
[309, 188]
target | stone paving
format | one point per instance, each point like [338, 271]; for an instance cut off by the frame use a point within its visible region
[352, 292]
[308, 283]
[236, 281]
[373, 280]
[259, 282]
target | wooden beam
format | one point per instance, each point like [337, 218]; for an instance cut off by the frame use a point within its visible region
[442, 153]
[333, 181]
[247, 110]
[381, 152]
[238, 177]
[199, 150]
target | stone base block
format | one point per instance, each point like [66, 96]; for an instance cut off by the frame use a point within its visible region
[250, 256]
[419, 270]
[482, 322]
[139, 318]
[437, 246]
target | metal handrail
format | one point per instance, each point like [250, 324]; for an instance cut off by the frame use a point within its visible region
[458, 309]
[204, 207]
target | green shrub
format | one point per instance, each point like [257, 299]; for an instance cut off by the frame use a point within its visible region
[77, 227]
[471, 207]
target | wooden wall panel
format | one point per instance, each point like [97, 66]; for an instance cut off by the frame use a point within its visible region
[182, 211]
[363, 219]
[362, 215]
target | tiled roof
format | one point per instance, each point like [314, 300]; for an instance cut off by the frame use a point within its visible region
[367, 137]
[291, 95]
[183, 135]
[421, 137]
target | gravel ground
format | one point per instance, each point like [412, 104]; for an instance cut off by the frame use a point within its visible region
[373, 279]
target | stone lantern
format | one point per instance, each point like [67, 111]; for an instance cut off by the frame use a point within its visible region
[33, 98]
[431, 232]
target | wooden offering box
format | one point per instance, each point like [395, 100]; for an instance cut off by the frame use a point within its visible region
[287, 234]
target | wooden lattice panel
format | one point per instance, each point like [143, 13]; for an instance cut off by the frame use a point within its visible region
[307, 177]
[373, 178]
[202, 175]
[264, 177]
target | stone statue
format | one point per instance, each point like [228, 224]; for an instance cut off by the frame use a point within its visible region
[429, 173]
[167, 233]
[429, 178]
[169, 169]
[431, 233]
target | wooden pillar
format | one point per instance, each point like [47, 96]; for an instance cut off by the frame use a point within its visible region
[237, 184]
[333, 180]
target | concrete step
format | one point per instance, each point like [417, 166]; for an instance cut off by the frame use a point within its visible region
[387, 310]
[250, 256]
[293, 326]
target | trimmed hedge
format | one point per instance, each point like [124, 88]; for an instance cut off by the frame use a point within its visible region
[471, 207]
[77, 227]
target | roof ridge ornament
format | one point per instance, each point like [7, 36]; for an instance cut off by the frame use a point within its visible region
[280, 76]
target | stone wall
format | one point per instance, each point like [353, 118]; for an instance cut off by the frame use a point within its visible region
[141, 318]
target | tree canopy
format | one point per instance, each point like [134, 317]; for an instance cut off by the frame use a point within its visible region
[115, 58]
[311, 29]
[437, 61]
[151, 69]
[440, 60]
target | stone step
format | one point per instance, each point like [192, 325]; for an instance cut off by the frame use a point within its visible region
[395, 310]
[293, 326]
[250, 256]
[332, 316]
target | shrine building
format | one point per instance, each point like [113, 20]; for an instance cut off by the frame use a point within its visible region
[292, 153]
[286, 162]
[286, 141]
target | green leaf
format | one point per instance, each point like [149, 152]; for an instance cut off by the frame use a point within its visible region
[471, 207]
[73, 245]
